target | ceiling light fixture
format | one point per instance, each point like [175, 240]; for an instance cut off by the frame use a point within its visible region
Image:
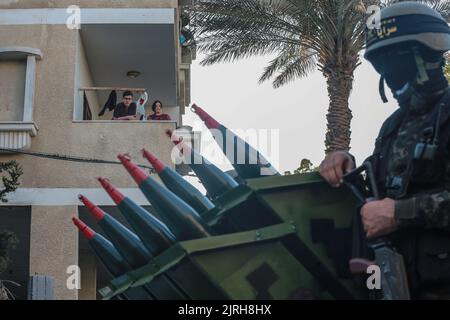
[133, 74]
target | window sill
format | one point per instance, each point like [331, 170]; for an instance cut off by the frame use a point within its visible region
[16, 135]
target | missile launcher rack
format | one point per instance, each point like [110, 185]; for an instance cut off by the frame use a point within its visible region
[277, 237]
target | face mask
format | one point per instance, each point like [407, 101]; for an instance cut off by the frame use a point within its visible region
[397, 68]
[412, 74]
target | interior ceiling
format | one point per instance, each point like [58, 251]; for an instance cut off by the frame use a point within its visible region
[113, 50]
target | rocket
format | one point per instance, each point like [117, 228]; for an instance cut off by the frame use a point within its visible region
[153, 233]
[178, 185]
[126, 242]
[247, 161]
[215, 181]
[110, 258]
[131, 248]
[184, 222]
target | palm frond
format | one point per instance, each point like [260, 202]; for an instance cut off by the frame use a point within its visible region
[301, 64]
[297, 67]
[334, 30]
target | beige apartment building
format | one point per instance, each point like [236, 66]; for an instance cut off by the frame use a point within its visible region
[51, 79]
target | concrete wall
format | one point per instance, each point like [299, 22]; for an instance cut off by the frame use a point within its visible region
[101, 140]
[55, 73]
[54, 246]
[29, 4]
[83, 78]
[53, 113]
[12, 88]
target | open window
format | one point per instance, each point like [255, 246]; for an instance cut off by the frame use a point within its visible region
[139, 57]
[110, 97]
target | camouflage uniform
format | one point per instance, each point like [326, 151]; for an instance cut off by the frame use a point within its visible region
[411, 159]
[421, 190]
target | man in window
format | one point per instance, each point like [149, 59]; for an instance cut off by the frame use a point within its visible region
[126, 110]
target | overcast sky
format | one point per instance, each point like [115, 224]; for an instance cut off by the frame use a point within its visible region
[230, 92]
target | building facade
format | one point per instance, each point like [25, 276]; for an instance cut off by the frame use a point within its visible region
[59, 61]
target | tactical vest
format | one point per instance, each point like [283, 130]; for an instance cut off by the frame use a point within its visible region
[421, 174]
[426, 252]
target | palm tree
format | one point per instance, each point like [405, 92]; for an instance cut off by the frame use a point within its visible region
[447, 67]
[303, 34]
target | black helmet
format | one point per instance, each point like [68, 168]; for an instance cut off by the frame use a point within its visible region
[409, 21]
[408, 43]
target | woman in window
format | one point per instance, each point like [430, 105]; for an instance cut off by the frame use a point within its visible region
[158, 114]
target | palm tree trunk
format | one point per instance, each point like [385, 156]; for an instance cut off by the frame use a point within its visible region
[339, 116]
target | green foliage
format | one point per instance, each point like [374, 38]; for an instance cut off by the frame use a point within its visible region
[305, 166]
[303, 34]
[11, 171]
[11, 179]
[447, 68]
[8, 241]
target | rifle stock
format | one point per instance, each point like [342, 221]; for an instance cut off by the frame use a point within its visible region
[394, 282]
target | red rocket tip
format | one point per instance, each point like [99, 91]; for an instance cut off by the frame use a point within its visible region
[126, 156]
[175, 139]
[137, 173]
[87, 232]
[178, 141]
[95, 211]
[209, 121]
[113, 192]
[156, 163]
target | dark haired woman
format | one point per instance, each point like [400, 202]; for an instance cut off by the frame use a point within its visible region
[158, 113]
